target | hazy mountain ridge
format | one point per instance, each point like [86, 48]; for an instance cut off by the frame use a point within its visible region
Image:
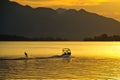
[46, 22]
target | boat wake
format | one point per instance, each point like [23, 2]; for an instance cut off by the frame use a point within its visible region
[66, 54]
[22, 58]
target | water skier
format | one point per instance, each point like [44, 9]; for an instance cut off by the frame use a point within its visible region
[26, 55]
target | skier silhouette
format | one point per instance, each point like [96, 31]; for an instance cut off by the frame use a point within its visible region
[26, 55]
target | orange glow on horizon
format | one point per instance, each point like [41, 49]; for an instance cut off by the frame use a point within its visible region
[60, 3]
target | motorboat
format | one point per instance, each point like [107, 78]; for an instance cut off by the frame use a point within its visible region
[66, 53]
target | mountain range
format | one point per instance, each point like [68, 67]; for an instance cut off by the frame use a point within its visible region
[71, 24]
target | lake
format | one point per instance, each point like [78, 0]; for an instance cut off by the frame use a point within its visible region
[79, 49]
[90, 61]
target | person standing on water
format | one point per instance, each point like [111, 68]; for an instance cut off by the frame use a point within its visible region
[26, 55]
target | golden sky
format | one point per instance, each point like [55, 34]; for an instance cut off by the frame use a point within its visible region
[108, 8]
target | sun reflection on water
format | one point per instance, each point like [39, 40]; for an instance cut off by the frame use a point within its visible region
[79, 49]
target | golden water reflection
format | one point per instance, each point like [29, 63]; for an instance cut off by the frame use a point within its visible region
[79, 49]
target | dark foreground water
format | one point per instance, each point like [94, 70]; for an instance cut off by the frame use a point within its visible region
[74, 68]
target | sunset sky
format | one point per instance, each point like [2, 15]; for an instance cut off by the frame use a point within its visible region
[108, 8]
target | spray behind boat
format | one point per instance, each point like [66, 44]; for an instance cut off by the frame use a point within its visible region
[66, 53]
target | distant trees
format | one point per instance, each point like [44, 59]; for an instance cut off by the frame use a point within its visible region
[4, 37]
[103, 37]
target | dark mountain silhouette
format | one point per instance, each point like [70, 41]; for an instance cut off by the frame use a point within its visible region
[71, 24]
[61, 10]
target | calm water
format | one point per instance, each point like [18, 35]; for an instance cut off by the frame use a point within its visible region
[91, 61]
[35, 49]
